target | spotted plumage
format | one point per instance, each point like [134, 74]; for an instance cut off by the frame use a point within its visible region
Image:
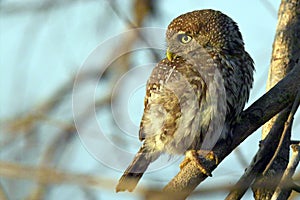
[195, 95]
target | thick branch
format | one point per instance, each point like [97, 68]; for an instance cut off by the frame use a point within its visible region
[261, 158]
[267, 151]
[255, 116]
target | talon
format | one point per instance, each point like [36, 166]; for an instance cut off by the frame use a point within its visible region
[193, 155]
[184, 162]
[212, 157]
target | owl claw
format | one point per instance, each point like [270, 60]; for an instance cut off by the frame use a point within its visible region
[194, 155]
[212, 157]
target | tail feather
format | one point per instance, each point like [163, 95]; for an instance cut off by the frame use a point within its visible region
[135, 170]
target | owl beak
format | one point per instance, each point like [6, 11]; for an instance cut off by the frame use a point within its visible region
[170, 55]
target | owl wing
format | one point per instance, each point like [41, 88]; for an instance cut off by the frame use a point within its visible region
[161, 103]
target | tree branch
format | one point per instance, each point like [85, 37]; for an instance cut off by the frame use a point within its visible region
[47, 176]
[266, 152]
[285, 52]
[278, 98]
[288, 173]
[3, 194]
[260, 160]
[280, 193]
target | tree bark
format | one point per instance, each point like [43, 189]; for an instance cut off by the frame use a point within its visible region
[286, 53]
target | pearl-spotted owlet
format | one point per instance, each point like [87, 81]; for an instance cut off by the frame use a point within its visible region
[195, 94]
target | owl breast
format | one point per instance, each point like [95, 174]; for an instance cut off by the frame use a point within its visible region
[178, 108]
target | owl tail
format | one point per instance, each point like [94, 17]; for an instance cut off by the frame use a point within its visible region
[135, 170]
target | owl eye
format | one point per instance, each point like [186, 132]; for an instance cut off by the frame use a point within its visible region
[184, 38]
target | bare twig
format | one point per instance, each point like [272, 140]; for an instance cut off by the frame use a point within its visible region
[3, 195]
[285, 133]
[54, 150]
[241, 157]
[290, 170]
[131, 24]
[287, 176]
[18, 8]
[268, 5]
[51, 176]
[287, 127]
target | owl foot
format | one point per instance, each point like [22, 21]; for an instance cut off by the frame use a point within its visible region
[196, 156]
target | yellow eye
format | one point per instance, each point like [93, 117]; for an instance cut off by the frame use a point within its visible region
[184, 38]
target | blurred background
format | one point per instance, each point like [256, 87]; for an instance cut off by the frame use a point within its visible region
[72, 82]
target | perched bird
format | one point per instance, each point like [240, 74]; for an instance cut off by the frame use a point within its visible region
[195, 95]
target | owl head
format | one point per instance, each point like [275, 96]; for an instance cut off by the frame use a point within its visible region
[203, 30]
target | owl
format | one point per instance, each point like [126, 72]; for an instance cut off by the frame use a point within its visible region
[194, 95]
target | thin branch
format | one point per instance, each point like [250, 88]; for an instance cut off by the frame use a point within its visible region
[290, 170]
[287, 176]
[295, 186]
[268, 5]
[287, 127]
[51, 176]
[131, 24]
[286, 132]
[18, 8]
[3, 195]
[52, 153]
[241, 157]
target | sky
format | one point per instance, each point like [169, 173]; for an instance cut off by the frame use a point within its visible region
[43, 50]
